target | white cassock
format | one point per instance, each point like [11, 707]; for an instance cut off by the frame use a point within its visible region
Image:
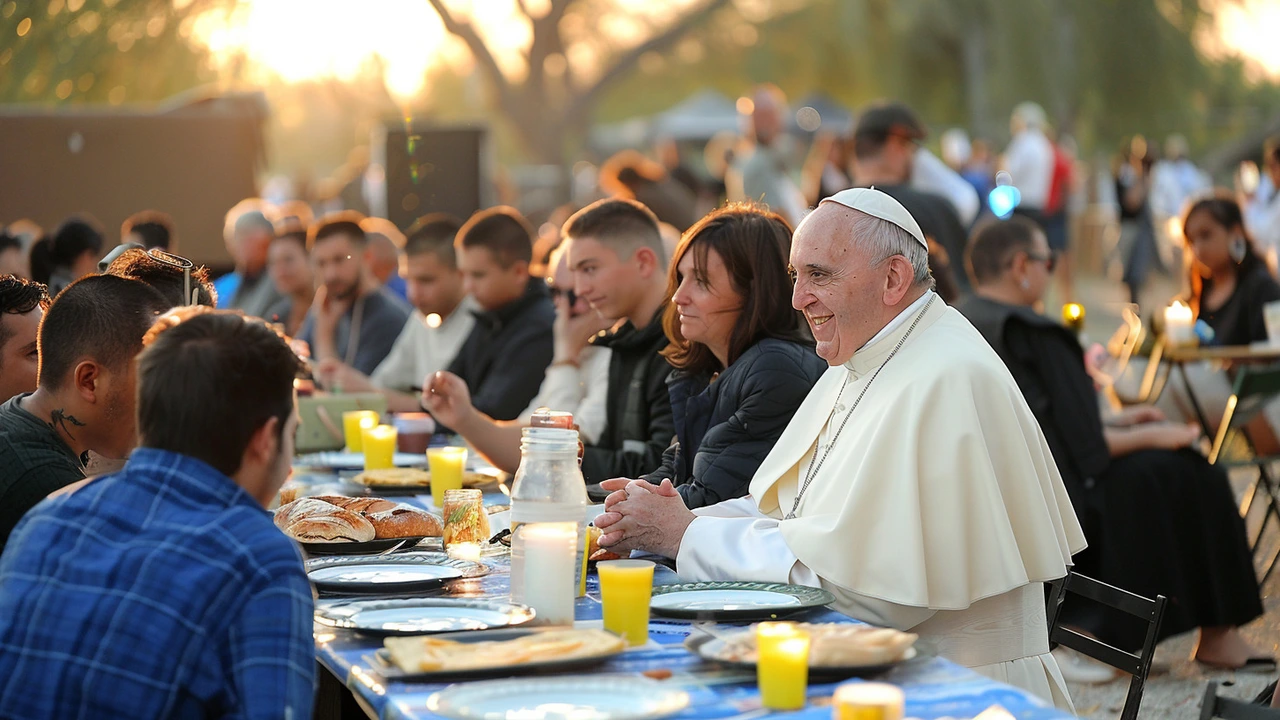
[939, 510]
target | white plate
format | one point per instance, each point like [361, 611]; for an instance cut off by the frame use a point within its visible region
[354, 461]
[383, 574]
[420, 616]
[563, 698]
[724, 600]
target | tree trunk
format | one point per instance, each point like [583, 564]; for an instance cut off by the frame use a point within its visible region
[974, 45]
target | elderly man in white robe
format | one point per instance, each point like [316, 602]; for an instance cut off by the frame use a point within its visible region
[913, 483]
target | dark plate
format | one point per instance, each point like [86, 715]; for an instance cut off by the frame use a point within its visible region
[322, 549]
[708, 648]
[420, 616]
[381, 660]
[735, 601]
[389, 574]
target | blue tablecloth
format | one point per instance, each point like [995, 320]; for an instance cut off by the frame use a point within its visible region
[934, 687]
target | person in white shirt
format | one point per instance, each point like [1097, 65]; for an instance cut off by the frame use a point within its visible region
[913, 482]
[1262, 209]
[1029, 159]
[441, 320]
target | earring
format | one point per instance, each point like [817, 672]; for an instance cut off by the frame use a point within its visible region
[1237, 249]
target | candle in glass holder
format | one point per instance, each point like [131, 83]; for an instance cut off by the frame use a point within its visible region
[464, 551]
[550, 552]
[1073, 317]
[782, 670]
[867, 701]
[379, 447]
[447, 465]
[1179, 325]
[354, 422]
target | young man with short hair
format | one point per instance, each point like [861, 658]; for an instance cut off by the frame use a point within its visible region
[85, 399]
[618, 265]
[166, 591]
[22, 307]
[251, 235]
[505, 357]
[442, 319]
[353, 319]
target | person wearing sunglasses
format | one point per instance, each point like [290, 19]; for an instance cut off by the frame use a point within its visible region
[1160, 520]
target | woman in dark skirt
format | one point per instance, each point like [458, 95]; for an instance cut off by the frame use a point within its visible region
[1160, 520]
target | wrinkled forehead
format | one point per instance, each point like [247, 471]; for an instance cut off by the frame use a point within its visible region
[827, 235]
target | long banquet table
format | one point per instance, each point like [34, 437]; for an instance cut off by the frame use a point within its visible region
[934, 687]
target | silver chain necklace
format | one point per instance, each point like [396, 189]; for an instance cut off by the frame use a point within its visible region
[815, 467]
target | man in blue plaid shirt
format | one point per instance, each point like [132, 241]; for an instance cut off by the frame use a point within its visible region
[165, 591]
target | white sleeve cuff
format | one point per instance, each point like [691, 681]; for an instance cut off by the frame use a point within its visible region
[759, 552]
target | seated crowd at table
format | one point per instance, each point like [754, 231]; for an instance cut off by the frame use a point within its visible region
[761, 404]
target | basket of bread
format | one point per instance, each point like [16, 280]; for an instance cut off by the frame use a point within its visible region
[335, 524]
[836, 650]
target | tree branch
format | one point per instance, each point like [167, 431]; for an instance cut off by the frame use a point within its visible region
[475, 44]
[628, 60]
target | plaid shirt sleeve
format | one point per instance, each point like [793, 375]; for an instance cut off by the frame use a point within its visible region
[273, 651]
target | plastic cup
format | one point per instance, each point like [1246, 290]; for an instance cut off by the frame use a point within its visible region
[446, 465]
[379, 447]
[782, 671]
[625, 589]
[354, 422]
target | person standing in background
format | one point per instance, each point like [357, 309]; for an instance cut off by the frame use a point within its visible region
[1137, 234]
[763, 175]
[1262, 210]
[1029, 160]
[72, 253]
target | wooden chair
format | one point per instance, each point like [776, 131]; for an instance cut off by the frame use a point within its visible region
[1214, 706]
[1253, 389]
[1149, 611]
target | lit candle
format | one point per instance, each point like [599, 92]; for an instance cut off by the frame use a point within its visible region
[782, 670]
[379, 447]
[447, 465]
[867, 701]
[1073, 317]
[550, 551]
[464, 551]
[1179, 325]
[353, 423]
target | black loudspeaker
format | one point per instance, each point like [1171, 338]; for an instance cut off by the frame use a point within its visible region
[434, 169]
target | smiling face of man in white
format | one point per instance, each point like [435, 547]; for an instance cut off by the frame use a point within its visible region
[846, 293]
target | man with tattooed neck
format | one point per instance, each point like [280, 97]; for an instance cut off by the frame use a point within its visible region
[85, 391]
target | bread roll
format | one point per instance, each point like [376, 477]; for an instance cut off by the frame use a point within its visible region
[405, 521]
[339, 526]
[363, 505]
[302, 507]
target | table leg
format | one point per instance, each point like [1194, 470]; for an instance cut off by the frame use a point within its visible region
[334, 701]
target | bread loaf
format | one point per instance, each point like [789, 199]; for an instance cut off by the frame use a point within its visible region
[362, 505]
[302, 507]
[405, 521]
[338, 526]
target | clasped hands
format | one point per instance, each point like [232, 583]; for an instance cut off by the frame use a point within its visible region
[642, 516]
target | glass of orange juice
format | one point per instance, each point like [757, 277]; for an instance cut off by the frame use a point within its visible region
[625, 589]
[354, 422]
[446, 465]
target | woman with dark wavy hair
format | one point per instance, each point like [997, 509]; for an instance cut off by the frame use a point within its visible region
[742, 355]
[1229, 283]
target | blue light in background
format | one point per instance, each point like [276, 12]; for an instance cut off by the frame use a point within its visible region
[1003, 200]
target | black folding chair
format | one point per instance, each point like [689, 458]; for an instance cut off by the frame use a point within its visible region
[1214, 706]
[1150, 611]
[1253, 389]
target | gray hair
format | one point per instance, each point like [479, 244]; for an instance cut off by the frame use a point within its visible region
[883, 240]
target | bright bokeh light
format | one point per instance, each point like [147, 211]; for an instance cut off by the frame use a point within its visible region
[296, 42]
[1246, 28]
[1003, 200]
